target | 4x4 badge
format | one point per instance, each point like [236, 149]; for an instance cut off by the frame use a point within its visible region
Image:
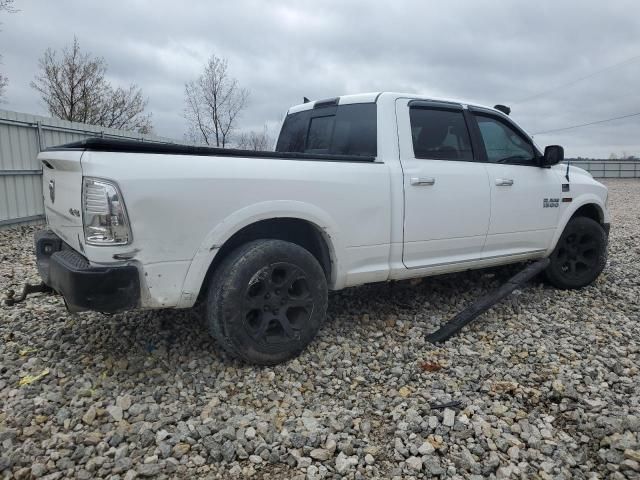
[52, 190]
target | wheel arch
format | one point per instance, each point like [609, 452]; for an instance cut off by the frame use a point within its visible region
[589, 210]
[302, 224]
[590, 206]
[295, 230]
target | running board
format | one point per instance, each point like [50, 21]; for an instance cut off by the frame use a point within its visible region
[483, 304]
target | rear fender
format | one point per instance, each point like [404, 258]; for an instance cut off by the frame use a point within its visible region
[244, 217]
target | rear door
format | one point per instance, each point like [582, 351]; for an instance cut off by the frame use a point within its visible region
[446, 192]
[524, 197]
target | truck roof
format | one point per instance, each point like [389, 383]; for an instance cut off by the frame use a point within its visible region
[372, 97]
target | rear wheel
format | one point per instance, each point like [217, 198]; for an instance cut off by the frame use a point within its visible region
[579, 256]
[267, 301]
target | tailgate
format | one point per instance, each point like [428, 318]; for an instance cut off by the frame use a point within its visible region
[62, 192]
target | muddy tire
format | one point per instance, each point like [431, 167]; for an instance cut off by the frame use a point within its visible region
[266, 301]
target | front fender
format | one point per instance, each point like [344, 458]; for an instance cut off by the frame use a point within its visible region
[246, 216]
[582, 200]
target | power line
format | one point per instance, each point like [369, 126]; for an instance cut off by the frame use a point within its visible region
[590, 123]
[572, 82]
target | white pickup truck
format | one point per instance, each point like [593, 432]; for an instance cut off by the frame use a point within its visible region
[361, 188]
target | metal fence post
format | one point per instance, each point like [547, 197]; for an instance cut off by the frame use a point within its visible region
[40, 137]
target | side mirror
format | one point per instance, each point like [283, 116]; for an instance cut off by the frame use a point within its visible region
[553, 154]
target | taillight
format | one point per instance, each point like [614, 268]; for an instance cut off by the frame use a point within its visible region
[104, 215]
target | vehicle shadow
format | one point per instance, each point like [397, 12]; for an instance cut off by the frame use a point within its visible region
[411, 298]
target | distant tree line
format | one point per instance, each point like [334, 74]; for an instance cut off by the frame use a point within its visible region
[623, 156]
[612, 157]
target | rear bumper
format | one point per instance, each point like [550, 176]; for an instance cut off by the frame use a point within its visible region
[85, 287]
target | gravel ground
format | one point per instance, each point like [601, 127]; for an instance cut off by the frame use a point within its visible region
[548, 384]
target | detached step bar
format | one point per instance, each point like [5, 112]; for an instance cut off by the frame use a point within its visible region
[483, 304]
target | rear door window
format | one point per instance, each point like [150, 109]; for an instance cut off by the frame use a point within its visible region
[440, 134]
[342, 130]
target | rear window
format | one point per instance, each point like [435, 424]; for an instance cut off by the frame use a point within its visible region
[336, 130]
[320, 133]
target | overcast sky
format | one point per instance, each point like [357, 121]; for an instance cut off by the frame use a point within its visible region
[483, 50]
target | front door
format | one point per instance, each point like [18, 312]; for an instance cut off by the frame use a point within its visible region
[446, 192]
[525, 198]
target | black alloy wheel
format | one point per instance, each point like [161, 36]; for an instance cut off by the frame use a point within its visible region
[580, 254]
[277, 304]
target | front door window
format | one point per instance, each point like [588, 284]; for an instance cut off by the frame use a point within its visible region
[503, 144]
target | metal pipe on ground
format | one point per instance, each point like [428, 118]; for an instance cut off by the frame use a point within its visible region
[481, 305]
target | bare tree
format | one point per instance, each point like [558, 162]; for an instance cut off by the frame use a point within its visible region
[213, 102]
[74, 88]
[255, 140]
[5, 6]
[4, 81]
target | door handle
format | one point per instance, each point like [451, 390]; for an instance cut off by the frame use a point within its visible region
[421, 181]
[504, 182]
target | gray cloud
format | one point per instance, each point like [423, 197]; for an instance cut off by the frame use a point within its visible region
[484, 51]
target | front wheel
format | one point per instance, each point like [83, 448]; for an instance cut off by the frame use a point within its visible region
[266, 301]
[579, 256]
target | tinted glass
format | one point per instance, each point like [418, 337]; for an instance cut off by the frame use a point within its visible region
[440, 134]
[356, 130]
[503, 143]
[320, 132]
[348, 130]
[294, 132]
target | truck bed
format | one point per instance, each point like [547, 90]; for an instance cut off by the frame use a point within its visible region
[132, 146]
[183, 202]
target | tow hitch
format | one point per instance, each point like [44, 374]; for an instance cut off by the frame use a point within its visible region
[483, 304]
[11, 299]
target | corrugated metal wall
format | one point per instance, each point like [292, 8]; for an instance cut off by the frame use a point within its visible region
[610, 168]
[22, 136]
